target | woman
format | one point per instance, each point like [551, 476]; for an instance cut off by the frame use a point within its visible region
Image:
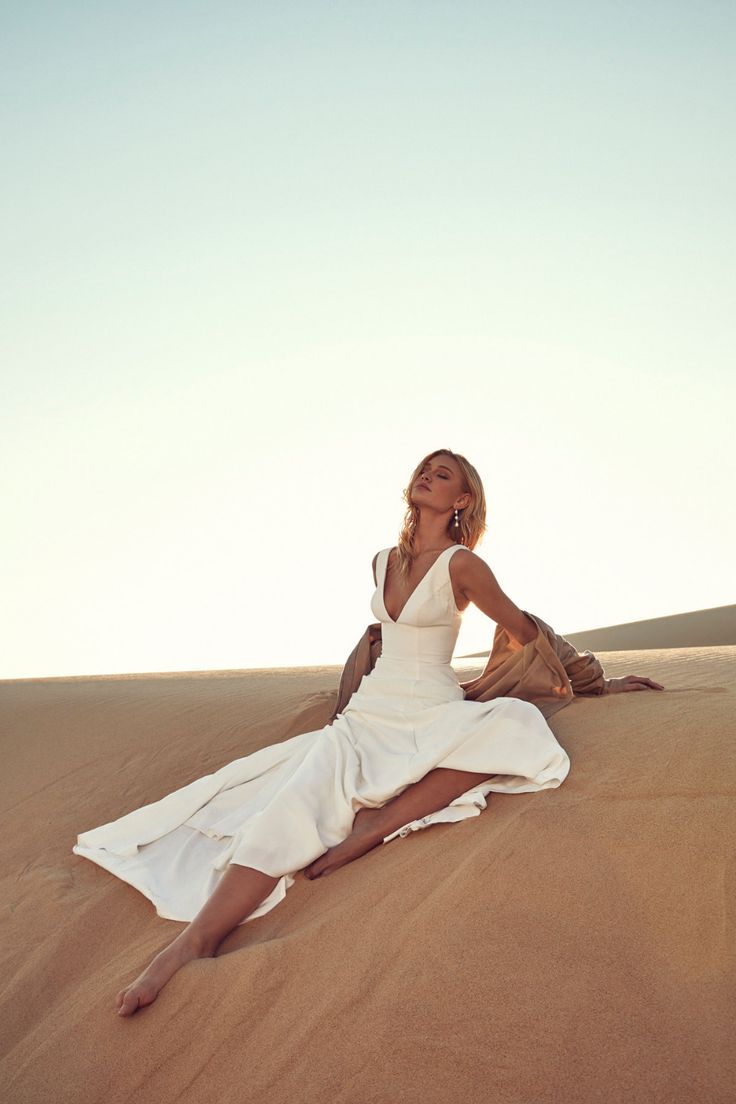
[406, 745]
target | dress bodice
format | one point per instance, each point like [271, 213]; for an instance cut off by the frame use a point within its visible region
[426, 630]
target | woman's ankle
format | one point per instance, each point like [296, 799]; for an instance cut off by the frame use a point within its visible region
[202, 943]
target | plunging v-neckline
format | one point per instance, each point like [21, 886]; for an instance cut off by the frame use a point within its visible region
[416, 588]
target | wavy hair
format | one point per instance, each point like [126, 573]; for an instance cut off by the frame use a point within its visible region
[472, 518]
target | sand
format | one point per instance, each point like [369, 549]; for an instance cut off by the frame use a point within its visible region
[571, 945]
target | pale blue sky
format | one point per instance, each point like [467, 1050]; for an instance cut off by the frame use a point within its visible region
[258, 259]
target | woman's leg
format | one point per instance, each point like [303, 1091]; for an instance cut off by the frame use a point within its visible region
[240, 890]
[436, 790]
[308, 809]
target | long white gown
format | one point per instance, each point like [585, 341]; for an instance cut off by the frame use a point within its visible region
[279, 808]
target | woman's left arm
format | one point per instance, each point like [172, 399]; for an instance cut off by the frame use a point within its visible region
[479, 585]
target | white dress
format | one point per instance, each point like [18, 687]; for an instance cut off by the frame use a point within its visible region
[281, 807]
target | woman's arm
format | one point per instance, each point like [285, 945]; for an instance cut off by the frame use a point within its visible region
[479, 585]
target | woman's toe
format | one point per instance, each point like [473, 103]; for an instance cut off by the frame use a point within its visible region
[129, 1003]
[137, 996]
[315, 869]
[311, 870]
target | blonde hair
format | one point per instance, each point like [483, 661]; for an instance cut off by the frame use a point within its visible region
[472, 518]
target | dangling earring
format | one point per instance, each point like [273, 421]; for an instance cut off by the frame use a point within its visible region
[457, 522]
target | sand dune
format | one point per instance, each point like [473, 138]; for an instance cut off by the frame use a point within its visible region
[573, 945]
[695, 629]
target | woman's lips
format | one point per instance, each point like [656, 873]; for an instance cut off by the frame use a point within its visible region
[422, 487]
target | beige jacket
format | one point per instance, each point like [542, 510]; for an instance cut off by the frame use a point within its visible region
[548, 671]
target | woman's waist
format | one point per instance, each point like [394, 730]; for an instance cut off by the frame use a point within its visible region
[437, 662]
[437, 671]
[406, 688]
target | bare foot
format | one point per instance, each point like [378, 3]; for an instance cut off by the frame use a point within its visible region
[364, 837]
[148, 985]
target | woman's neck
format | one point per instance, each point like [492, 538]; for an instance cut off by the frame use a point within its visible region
[430, 542]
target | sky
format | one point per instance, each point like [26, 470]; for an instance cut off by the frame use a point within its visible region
[259, 259]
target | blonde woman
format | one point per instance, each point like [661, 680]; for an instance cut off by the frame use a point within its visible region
[226, 848]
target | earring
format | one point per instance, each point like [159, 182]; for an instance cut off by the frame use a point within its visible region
[457, 522]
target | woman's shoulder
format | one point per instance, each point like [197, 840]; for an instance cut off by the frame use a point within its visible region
[374, 565]
[461, 562]
[467, 558]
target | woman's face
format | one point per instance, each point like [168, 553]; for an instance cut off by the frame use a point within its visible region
[439, 485]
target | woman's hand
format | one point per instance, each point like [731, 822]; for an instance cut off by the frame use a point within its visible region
[632, 682]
